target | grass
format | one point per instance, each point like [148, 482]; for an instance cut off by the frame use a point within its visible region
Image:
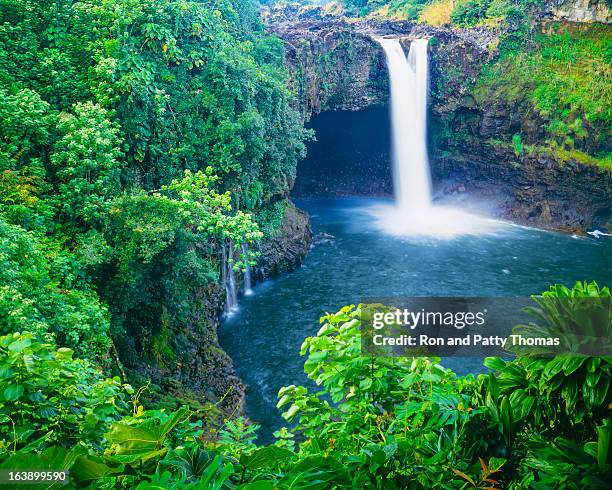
[567, 78]
[438, 13]
[563, 155]
[560, 154]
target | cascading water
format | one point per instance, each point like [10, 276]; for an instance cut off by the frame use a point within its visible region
[228, 278]
[414, 213]
[409, 80]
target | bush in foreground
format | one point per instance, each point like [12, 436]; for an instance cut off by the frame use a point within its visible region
[376, 423]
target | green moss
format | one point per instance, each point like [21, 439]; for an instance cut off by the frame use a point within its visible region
[565, 76]
[270, 218]
[159, 348]
[563, 155]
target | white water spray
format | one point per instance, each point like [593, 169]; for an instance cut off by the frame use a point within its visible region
[413, 213]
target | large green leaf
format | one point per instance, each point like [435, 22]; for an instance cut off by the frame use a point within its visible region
[266, 457]
[90, 467]
[13, 392]
[507, 419]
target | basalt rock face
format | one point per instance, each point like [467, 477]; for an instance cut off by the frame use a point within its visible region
[286, 250]
[533, 189]
[579, 10]
[337, 64]
[194, 367]
[331, 64]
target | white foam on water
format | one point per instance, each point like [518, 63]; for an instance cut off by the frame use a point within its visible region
[442, 222]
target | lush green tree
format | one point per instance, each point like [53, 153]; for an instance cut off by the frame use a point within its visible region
[85, 164]
[25, 123]
[38, 293]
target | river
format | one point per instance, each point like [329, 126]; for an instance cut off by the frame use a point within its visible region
[263, 336]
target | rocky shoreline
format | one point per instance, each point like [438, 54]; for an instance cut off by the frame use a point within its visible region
[201, 371]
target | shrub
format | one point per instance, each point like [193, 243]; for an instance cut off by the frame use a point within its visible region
[48, 398]
[32, 298]
[467, 13]
[517, 145]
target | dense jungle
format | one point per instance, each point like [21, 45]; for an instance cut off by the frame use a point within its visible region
[189, 204]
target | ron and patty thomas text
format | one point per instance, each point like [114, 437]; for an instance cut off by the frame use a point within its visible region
[459, 320]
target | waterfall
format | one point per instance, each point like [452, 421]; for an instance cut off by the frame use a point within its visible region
[409, 87]
[228, 277]
[413, 213]
[247, 270]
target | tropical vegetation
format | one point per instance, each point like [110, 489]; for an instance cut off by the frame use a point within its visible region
[138, 139]
[143, 141]
[538, 421]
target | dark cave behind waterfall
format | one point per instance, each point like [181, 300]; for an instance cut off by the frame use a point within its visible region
[350, 156]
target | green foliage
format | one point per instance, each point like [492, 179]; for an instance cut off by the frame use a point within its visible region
[558, 405]
[48, 398]
[236, 112]
[237, 438]
[563, 74]
[33, 298]
[393, 420]
[85, 164]
[532, 422]
[134, 137]
[579, 317]
[166, 244]
[24, 124]
[115, 118]
[270, 217]
[209, 211]
[465, 13]
[562, 463]
[517, 145]
[469, 12]
[409, 8]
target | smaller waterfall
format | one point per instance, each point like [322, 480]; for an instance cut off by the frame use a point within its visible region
[228, 277]
[248, 283]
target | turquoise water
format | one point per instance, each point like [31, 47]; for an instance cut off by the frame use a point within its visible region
[264, 336]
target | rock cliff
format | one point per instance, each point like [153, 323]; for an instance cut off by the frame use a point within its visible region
[195, 368]
[287, 248]
[579, 10]
[336, 63]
